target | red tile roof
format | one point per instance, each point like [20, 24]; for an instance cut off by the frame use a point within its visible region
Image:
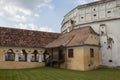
[25, 38]
[74, 38]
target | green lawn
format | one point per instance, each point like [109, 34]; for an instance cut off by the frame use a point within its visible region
[59, 74]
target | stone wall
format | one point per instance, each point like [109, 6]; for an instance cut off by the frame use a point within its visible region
[19, 65]
[81, 59]
[77, 61]
[91, 62]
[16, 64]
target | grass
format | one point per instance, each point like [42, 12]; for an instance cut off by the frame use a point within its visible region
[59, 74]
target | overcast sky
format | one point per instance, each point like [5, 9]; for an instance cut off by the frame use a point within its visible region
[42, 15]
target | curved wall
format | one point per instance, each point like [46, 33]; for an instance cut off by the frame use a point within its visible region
[104, 17]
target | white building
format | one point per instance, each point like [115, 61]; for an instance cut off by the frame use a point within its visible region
[104, 17]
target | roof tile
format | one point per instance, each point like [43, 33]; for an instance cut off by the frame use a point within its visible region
[25, 38]
[74, 38]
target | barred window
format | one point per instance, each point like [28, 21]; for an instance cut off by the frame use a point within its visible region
[70, 53]
[91, 52]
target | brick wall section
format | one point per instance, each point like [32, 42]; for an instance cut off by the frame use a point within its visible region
[25, 38]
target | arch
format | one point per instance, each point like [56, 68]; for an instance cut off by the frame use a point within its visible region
[30, 51]
[17, 51]
[10, 55]
[40, 51]
[23, 56]
[35, 56]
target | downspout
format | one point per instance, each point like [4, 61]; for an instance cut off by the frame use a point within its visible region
[51, 61]
[66, 58]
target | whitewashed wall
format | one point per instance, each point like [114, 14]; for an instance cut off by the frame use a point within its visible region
[113, 31]
[92, 13]
[106, 13]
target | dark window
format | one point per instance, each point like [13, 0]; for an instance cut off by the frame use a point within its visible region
[94, 15]
[93, 9]
[72, 22]
[82, 17]
[109, 47]
[61, 55]
[35, 56]
[70, 53]
[91, 52]
[10, 56]
[110, 61]
[109, 12]
[23, 56]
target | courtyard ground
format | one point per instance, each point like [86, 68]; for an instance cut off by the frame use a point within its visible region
[46, 73]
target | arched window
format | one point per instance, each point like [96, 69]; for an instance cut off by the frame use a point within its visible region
[23, 56]
[10, 55]
[35, 56]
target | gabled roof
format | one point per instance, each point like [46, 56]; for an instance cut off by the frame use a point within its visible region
[74, 38]
[25, 38]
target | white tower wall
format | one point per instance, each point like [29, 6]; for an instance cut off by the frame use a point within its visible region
[104, 17]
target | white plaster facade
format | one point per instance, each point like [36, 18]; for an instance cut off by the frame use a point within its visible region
[104, 17]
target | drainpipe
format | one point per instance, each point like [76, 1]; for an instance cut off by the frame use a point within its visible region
[66, 57]
[51, 60]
